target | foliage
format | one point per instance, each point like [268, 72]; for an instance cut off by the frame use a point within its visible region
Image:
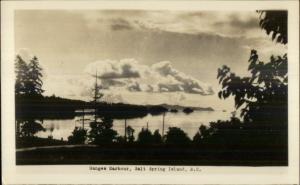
[197, 138]
[232, 134]
[130, 132]
[101, 132]
[79, 136]
[176, 136]
[263, 94]
[157, 138]
[225, 130]
[28, 77]
[203, 132]
[30, 127]
[21, 70]
[35, 75]
[261, 97]
[275, 23]
[145, 137]
[120, 139]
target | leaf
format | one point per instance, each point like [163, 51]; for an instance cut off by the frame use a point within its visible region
[220, 94]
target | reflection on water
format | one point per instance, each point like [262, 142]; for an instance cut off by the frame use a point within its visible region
[61, 129]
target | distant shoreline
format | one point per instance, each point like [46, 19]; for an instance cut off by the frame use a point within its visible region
[57, 107]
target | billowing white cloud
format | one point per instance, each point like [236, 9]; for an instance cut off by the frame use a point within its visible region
[110, 69]
[178, 81]
[129, 74]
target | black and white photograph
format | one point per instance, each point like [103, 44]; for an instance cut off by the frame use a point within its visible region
[159, 87]
[151, 87]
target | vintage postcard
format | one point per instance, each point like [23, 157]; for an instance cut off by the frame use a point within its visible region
[150, 92]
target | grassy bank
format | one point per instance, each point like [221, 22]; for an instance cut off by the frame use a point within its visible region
[150, 155]
[26, 142]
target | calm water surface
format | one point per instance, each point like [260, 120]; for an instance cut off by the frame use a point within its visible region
[61, 129]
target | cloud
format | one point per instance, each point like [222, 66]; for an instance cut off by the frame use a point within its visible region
[129, 74]
[197, 14]
[134, 87]
[110, 69]
[113, 98]
[218, 22]
[120, 24]
[178, 81]
[236, 22]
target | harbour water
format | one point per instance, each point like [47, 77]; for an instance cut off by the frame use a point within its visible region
[190, 123]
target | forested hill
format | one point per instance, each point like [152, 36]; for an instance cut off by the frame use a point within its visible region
[57, 107]
[47, 107]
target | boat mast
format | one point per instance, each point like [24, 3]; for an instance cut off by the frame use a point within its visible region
[125, 134]
[95, 97]
[163, 126]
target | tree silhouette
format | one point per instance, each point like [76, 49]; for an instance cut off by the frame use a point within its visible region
[203, 132]
[21, 70]
[275, 23]
[263, 94]
[145, 137]
[157, 139]
[35, 75]
[79, 136]
[101, 132]
[261, 98]
[197, 138]
[30, 127]
[96, 91]
[130, 132]
[120, 139]
[28, 77]
[176, 136]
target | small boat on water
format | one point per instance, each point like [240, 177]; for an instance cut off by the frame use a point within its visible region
[174, 110]
[85, 111]
[188, 110]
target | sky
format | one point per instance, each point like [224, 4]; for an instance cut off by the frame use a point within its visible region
[141, 57]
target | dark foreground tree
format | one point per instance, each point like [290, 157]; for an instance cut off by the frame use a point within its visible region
[145, 137]
[130, 134]
[30, 127]
[176, 136]
[101, 132]
[263, 95]
[35, 77]
[275, 24]
[157, 138]
[79, 136]
[21, 70]
[120, 140]
[261, 98]
[203, 133]
[28, 77]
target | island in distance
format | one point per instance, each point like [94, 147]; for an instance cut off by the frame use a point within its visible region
[172, 108]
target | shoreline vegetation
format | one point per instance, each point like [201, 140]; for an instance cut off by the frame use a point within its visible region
[258, 137]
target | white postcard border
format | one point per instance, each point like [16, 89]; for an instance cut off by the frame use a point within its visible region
[80, 174]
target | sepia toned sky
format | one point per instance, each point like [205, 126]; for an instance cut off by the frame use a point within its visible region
[141, 57]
